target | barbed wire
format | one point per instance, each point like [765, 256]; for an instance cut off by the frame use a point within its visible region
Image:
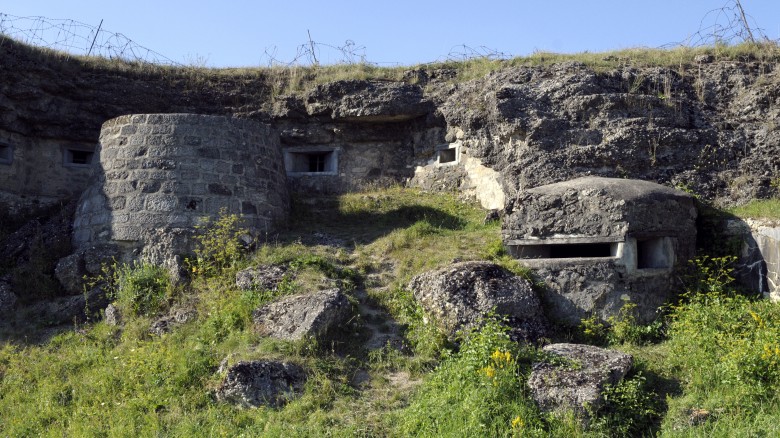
[77, 38]
[728, 25]
[463, 52]
[311, 53]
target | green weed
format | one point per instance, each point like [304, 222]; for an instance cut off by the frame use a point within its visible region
[142, 289]
[218, 245]
[478, 391]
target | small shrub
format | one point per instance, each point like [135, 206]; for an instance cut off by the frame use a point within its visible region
[710, 274]
[594, 330]
[218, 245]
[621, 328]
[630, 408]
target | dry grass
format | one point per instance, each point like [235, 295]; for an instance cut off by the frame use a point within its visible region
[284, 80]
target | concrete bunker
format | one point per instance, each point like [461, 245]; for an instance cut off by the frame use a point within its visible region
[598, 242]
[160, 175]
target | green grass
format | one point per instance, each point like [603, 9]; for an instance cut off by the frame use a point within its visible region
[717, 353]
[759, 209]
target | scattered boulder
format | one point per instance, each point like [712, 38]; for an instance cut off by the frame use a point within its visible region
[258, 383]
[112, 315]
[300, 316]
[263, 277]
[460, 295]
[86, 262]
[65, 310]
[578, 385]
[7, 297]
[175, 318]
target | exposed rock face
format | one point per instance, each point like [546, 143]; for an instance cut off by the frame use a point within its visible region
[301, 316]
[258, 383]
[577, 386]
[460, 295]
[704, 124]
[597, 242]
[265, 277]
[357, 100]
[540, 125]
[32, 251]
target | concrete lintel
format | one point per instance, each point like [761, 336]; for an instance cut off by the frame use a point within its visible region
[565, 240]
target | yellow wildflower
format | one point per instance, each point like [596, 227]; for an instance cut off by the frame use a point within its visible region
[518, 422]
[767, 352]
[757, 318]
[489, 371]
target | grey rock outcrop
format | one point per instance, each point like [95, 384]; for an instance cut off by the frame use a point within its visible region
[577, 386]
[358, 100]
[175, 317]
[112, 315]
[264, 277]
[460, 295]
[300, 316]
[65, 310]
[259, 383]
[86, 262]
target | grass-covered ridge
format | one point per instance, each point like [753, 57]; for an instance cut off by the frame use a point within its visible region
[296, 79]
[712, 368]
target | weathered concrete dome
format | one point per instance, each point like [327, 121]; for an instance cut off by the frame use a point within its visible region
[160, 175]
[599, 242]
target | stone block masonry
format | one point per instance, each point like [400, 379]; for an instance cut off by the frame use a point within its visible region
[161, 175]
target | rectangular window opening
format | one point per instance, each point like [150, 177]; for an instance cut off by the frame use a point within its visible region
[78, 157]
[448, 155]
[565, 250]
[6, 154]
[317, 161]
[311, 162]
[654, 253]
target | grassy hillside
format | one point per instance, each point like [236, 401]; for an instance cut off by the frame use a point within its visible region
[301, 78]
[711, 368]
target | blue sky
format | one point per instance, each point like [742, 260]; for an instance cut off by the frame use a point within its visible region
[240, 33]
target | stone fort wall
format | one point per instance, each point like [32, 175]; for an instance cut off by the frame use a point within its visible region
[160, 175]
[38, 172]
